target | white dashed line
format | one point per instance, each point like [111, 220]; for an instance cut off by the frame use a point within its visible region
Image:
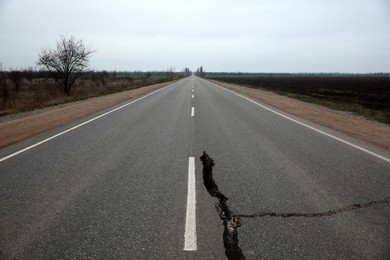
[190, 228]
[193, 111]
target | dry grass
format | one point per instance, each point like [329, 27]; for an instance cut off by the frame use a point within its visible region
[40, 93]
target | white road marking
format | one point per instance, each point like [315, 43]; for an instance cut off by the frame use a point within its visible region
[193, 111]
[192, 90]
[192, 96]
[308, 126]
[190, 228]
[77, 126]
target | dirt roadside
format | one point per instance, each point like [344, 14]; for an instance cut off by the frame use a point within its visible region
[18, 127]
[347, 123]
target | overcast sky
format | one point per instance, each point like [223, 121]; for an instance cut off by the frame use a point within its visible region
[221, 35]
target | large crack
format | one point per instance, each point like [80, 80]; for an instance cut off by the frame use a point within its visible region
[317, 214]
[232, 222]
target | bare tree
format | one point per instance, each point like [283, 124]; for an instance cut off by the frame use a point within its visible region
[67, 62]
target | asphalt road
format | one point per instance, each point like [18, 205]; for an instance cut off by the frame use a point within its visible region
[117, 186]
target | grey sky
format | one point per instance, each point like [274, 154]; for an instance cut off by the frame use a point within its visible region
[221, 35]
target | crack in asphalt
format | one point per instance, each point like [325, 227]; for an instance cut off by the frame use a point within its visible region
[318, 214]
[232, 221]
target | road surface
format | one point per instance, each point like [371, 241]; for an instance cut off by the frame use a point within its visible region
[127, 183]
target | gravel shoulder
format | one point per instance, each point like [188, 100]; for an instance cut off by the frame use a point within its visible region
[358, 127]
[18, 127]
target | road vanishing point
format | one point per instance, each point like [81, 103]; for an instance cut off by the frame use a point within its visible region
[126, 183]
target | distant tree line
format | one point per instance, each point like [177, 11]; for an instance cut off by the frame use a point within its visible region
[40, 81]
[186, 72]
[293, 75]
[64, 67]
[200, 72]
[32, 73]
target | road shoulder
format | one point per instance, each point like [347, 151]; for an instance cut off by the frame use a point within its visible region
[344, 122]
[19, 127]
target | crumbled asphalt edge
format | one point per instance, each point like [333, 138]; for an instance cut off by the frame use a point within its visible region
[318, 214]
[231, 222]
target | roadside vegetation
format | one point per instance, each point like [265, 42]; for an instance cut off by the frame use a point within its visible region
[27, 90]
[67, 62]
[367, 95]
[62, 76]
